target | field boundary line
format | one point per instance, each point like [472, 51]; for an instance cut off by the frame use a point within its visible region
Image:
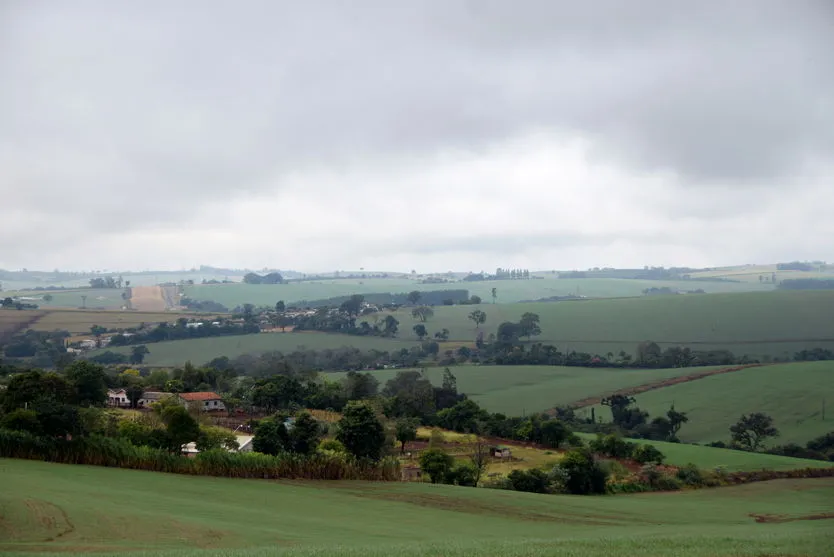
[631, 391]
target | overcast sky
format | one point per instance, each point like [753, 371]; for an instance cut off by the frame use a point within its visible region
[429, 135]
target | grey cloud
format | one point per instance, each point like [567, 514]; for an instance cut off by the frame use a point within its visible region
[150, 109]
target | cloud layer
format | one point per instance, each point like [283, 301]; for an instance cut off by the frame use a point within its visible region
[442, 135]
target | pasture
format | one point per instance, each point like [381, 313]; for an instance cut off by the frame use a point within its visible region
[78, 509]
[12, 320]
[775, 324]
[508, 291]
[96, 299]
[751, 273]
[793, 394]
[516, 390]
[202, 350]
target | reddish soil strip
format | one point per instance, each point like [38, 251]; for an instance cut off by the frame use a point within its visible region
[590, 401]
[777, 518]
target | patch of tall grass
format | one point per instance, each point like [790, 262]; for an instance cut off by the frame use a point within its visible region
[119, 453]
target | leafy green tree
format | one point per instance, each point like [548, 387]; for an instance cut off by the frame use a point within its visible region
[478, 317]
[361, 432]
[553, 433]
[676, 421]
[423, 313]
[531, 481]
[648, 454]
[89, 383]
[420, 331]
[463, 417]
[22, 420]
[494, 294]
[181, 427]
[353, 305]
[443, 334]
[280, 306]
[358, 386]
[750, 432]
[31, 387]
[414, 297]
[405, 432]
[271, 436]
[437, 464]
[475, 300]
[305, 434]
[134, 392]
[390, 326]
[212, 438]
[529, 325]
[583, 474]
[138, 353]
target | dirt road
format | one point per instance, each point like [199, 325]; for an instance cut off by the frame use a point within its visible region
[148, 298]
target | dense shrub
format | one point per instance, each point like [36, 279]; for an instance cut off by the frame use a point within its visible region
[645, 454]
[584, 475]
[532, 481]
[613, 446]
[104, 451]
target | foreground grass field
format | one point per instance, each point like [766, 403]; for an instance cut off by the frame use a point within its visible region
[515, 390]
[509, 291]
[764, 323]
[793, 394]
[202, 350]
[64, 508]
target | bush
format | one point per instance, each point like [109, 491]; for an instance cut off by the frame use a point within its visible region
[437, 464]
[613, 446]
[332, 445]
[584, 475]
[531, 481]
[645, 454]
[691, 475]
[465, 475]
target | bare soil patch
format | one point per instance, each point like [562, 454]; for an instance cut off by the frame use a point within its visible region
[779, 518]
[148, 298]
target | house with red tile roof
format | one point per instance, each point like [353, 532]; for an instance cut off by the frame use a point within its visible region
[205, 401]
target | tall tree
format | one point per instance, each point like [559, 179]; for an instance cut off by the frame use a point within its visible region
[478, 317]
[405, 432]
[89, 383]
[414, 297]
[361, 432]
[494, 294]
[420, 331]
[529, 325]
[750, 432]
[423, 313]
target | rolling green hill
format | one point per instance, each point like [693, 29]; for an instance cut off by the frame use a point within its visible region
[78, 509]
[793, 394]
[509, 291]
[202, 350]
[765, 323]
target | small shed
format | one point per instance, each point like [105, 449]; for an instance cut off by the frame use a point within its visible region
[500, 452]
[411, 474]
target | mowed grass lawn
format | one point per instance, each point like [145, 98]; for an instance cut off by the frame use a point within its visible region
[509, 291]
[793, 394]
[65, 508]
[202, 350]
[515, 390]
[758, 323]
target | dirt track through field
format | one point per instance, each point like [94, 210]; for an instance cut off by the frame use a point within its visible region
[631, 391]
[148, 298]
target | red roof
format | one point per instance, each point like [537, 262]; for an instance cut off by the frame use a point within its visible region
[191, 397]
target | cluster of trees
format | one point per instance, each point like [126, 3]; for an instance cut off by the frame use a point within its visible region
[10, 303]
[180, 330]
[344, 320]
[807, 284]
[447, 297]
[108, 282]
[820, 448]
[796, 266]
[44, 349]
[500, 274]
[269, 278]
[203, 305]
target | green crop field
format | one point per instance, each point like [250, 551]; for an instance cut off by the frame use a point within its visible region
[202, 350]
[762, 324]
[509, 291]
[710, 458]
[55, 508]
[793, 394]
[515, 390]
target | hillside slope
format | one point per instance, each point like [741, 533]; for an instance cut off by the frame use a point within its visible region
[78, 509]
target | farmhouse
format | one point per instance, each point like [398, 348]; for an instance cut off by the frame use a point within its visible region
[205, 401]
[117, 398]
[149, 397]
